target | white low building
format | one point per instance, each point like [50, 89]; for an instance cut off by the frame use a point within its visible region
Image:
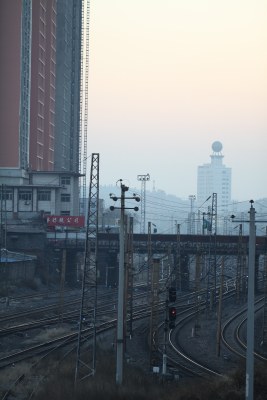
[25, 194]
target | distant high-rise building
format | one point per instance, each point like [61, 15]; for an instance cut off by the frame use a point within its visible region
[214, 177]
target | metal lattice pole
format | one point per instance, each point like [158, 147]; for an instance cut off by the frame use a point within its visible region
[86, 356]
[84, 88]
[264, 335]
[149, 259]
[213, 232]
[154, 355]
[129, 279]
[197, 286]
[239, 264]
[143, 179]
[191, 216]
[178, 261]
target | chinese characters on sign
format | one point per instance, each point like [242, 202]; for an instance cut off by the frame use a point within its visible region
[65, 220]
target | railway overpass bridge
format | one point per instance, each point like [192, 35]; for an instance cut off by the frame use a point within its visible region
[174, 247]
[160, 243]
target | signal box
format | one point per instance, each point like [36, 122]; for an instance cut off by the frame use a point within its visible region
[172, 294]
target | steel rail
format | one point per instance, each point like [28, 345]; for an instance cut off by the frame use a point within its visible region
[237, 334]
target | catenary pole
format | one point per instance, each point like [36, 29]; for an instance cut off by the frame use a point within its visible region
[119, 371]
[121, 283]
[249, 394]
[250, 312]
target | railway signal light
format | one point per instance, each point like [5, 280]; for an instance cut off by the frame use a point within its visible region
[172, 317]
[172, 294]
[172, 313]
[171, 325]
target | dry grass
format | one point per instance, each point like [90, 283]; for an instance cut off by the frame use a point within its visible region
[13, 372]
[141, 386]
[46, 335]
[9, 376]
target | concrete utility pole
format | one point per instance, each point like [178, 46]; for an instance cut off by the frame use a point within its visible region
[251, 306]
[121, 288]
[251, 301]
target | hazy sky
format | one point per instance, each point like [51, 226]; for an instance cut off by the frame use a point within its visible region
[169, 77]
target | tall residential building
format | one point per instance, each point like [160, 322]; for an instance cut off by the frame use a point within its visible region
[40, 44]
[214, 177]
[43, 83]
[68, 58]
[40, 47]
[15, 84]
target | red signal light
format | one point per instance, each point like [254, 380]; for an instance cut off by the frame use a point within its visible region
[172, 313]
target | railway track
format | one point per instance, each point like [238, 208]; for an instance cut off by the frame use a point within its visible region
[233, 333]
[64, 345]
[233, 338]
[181, 360]
[178, 358]
[67, 342]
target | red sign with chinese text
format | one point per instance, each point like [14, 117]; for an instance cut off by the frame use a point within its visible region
[65, 220]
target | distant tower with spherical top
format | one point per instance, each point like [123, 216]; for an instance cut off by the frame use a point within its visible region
[217, 147]
[215, 177]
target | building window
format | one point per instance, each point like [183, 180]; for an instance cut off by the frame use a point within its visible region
[40, 108]
[6, 194]
[44, 195]
[65, 198]
[25, 195]
[65, 180]
[41, 95]
[65, 213]
[39, 164]
[40, 122]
